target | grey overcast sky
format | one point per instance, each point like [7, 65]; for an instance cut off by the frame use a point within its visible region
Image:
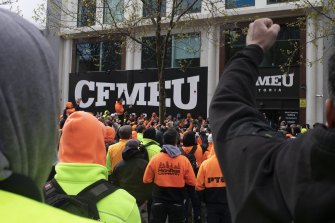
[26, 8]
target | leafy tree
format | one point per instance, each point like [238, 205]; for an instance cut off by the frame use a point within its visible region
[11, 5]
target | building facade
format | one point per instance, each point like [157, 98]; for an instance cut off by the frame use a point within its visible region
[295, 93]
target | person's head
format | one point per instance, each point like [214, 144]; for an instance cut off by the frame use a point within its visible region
[169, 124]
[132, 149]
[120, 100]
[330, 103]
[150, 133]
[125, 132]
[296, 130]
[29, 101]
[68, 105]
[140, 128]
[188, 116]
[82, 140]
[189, 139]
[110, 134]
[170, 137]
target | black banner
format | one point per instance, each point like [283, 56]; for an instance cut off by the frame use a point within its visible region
[185, 91]
[272, 83]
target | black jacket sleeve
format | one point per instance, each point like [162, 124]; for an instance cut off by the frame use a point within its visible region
[245, 144]
[234, 102]
[269, 179]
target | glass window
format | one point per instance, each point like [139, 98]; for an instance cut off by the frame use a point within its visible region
[230, 4]
[113, 10]
[186, 50]
[88, 57]
[149, 56]
[98, 56]
[279, 1]
[184, 4]
[183, 51]
[86, 13]
[111, 53]
[285, 48]
[150, 8]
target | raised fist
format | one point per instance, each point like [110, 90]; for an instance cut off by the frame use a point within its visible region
[263, 33]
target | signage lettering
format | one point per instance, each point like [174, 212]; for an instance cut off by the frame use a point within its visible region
[285, 80]
[137, 96]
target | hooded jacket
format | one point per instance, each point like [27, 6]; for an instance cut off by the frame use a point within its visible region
[128, 174]
[169, 171]
[82, 162]
[29, 109]
[189, 140]
[269, 178]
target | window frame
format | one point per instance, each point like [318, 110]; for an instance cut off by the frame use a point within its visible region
[170, 61]
[83, 17]
[234, 4]
[101, 55]
[120, 10]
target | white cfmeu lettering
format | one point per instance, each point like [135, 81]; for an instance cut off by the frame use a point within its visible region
[137, 96]
[285, 80]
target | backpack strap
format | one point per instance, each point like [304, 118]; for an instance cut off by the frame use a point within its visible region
[94, 193]
[98, 190]
[90, 195]
[194, 148]
[149, 144]
[54, 193]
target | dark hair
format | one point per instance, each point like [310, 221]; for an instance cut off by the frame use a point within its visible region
[159, 137]
[170, 136]
[125, 132]
[189, 139]
[140, 128]
[150, 133]
[296, 130]
[316, 124]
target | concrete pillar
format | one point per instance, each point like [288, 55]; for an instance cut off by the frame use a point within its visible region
[130, 55]
[319, 78]
[311, 51]
[66, 70]
[212, 63]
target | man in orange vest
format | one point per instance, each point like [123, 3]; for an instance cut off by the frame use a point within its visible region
[169, 171]
[119, 109]
[211, 187]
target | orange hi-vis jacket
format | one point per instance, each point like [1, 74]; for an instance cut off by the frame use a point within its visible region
[118, 108]
[209, 152]
[114, 154]
[197, 154]
[211, 182]
[169, 176]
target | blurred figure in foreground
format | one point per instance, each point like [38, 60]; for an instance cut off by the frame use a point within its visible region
[270, 179]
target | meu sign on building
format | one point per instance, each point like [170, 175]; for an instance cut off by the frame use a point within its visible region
[186, 91]
[271, 82]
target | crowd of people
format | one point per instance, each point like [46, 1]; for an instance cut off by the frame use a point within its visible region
[160, 165]
[141, 159]
[118, 168]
